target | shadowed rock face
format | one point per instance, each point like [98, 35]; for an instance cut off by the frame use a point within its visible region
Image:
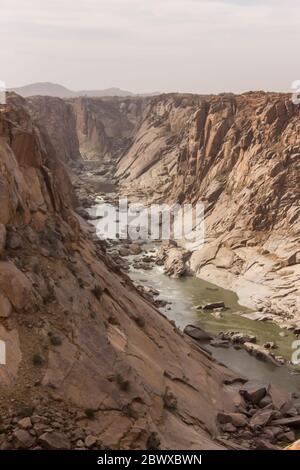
[94, 128]
[75, 346]
[105, 126]
[56, 116]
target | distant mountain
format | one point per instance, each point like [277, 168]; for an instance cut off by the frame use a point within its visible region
[52, 89]
[44, 89]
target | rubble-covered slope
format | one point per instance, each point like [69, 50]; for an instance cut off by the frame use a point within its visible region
[89, 360]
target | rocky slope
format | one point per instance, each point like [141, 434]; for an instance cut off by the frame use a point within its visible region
[90, 362]
[239, 155]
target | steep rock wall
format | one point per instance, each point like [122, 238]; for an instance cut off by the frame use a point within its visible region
[105, 125]
[239, 155]
[57, 118]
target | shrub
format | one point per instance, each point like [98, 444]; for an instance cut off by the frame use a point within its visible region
[140, 321]
[153, 441]
[38, 360]
[55, 340]
[98, 291]
[122, 383]
[89, 413]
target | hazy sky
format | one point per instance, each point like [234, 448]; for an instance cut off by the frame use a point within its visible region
[151, 45]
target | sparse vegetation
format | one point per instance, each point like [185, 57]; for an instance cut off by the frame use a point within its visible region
[122, 383]
[140, 321]
[89, 413]
[98, 291]
[55, 340]
[38, 360]
[153, 441]
[20, 209]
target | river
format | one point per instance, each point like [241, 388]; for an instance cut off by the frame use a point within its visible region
[186, 293]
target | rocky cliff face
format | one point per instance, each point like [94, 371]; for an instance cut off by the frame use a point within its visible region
[57, 118]
[89, 128]
[240, 156]
[90, 363]
[105, 125]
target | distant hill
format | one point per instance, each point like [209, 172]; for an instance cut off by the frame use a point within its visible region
[53, 89]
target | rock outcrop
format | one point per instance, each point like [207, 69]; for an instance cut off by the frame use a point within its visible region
[90, 363]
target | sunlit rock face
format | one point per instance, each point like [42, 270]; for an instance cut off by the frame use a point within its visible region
[239, 155]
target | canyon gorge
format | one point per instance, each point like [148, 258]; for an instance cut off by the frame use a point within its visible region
[92, 360]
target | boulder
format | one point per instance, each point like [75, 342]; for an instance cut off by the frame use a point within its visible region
[263, 444]
[25, 423]
[83, 213]
[176, 262]
[15, 285]
[5, 307]
[228, 427]
[22, 439]
[279, 397]
[261, 418]
[265, 402]
[253, 392]
[197, 333]
[236, 337]
[13, 240]
[257, 316]
[213, 305]
[135, 249]
[90, 441]
[293, 422]
[287, 436]
[261, 353]
[203, 256]
[124, 252]
[54, 441]
[236, 419]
